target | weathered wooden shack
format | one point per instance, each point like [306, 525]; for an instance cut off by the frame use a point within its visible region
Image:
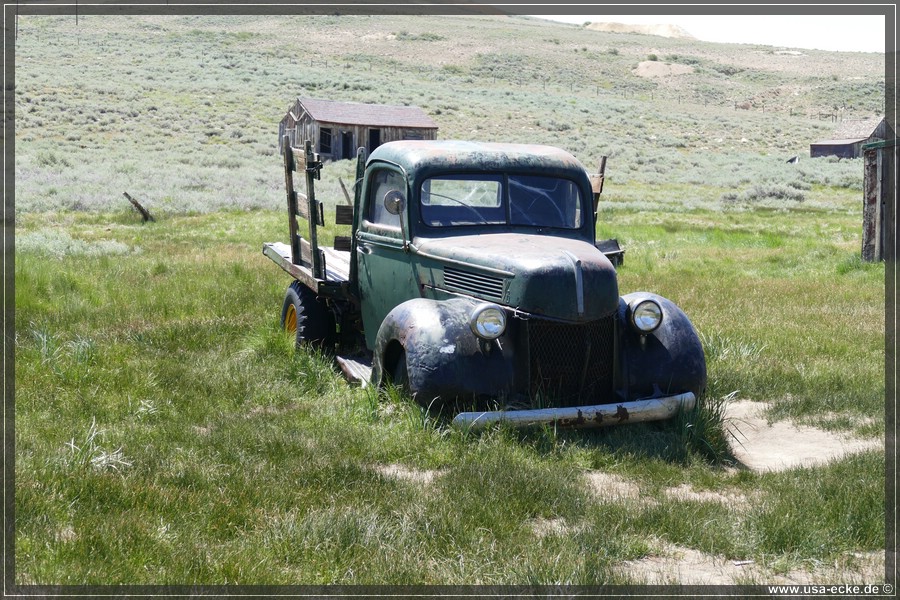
[337, 129]
[880, 201]
[849, 138]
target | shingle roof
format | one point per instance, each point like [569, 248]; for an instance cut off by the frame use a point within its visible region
[380, 115]
[859, 129]
[838, 142]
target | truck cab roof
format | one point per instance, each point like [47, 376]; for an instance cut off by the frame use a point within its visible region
[422, 159]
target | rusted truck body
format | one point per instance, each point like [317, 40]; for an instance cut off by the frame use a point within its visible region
[473, 279]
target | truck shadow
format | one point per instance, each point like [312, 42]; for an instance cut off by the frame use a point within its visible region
[668, 441]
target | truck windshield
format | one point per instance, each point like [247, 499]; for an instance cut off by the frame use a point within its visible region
[529, 200]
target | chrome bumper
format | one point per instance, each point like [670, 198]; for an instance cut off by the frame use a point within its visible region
[653, 409]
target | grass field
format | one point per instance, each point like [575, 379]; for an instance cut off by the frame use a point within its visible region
[167, 433]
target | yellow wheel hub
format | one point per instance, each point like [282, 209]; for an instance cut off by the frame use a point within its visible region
[290, 319]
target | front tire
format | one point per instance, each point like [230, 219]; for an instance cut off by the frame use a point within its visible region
[307, 317]
[400, 375]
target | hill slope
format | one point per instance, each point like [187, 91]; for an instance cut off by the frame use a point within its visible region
[668, 31]
[200, 97]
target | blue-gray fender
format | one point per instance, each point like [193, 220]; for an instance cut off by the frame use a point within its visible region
[444, 358]
[667, 361]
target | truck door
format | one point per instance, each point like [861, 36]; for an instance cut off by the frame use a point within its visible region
[386, 275]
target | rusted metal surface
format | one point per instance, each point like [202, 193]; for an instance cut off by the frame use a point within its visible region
[655, 409]
[443, 357]
[611, 250]
[355, 369]
[435, 156]
[666, 361]
[563, 278]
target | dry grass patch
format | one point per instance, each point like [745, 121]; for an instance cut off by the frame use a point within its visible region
[609, 486]
[547, 527]
[687, 492]
[403, 473]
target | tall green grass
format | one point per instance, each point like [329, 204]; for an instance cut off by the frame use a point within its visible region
[167, 431]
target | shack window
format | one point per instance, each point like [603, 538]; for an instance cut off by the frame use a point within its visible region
[325, 140]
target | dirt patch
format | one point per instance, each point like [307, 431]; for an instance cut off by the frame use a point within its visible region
[654, 68]
[406, 474]
[607, 485]
[686, 492]
[668, 31]
[669, 564]
[761, 446]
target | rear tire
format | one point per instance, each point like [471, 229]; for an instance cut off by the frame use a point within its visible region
[307, 317]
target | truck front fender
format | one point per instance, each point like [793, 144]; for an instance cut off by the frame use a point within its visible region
[668, 360]
[444, 358]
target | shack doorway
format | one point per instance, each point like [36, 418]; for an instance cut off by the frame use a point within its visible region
[347, 144]
[374, 139]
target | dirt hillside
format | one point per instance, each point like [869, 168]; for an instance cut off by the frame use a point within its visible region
[669, 31]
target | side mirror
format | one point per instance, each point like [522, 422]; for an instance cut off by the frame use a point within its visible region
[394, 201]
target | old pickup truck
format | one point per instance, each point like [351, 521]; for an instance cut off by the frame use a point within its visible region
[473, 279]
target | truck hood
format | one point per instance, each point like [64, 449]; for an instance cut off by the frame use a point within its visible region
[555, 277]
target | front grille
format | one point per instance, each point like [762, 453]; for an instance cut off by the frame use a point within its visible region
[475, 284]
[571, 364]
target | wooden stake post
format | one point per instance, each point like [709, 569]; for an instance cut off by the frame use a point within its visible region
[306, 206]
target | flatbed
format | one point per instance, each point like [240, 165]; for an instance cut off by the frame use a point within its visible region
[337, 262]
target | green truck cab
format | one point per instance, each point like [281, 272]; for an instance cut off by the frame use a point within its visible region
[473, 279]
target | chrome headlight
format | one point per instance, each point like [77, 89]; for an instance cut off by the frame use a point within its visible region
[646, 315]
[488, 321]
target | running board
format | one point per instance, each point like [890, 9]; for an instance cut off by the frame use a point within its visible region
[356, 370]
[653, 409]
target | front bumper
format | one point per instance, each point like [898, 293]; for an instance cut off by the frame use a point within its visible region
[637, 411]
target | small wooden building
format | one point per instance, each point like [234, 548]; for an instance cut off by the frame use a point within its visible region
[880, 201]
[849, 139]
[337, 129]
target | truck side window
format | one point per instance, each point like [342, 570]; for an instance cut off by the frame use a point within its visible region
[383, 182]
